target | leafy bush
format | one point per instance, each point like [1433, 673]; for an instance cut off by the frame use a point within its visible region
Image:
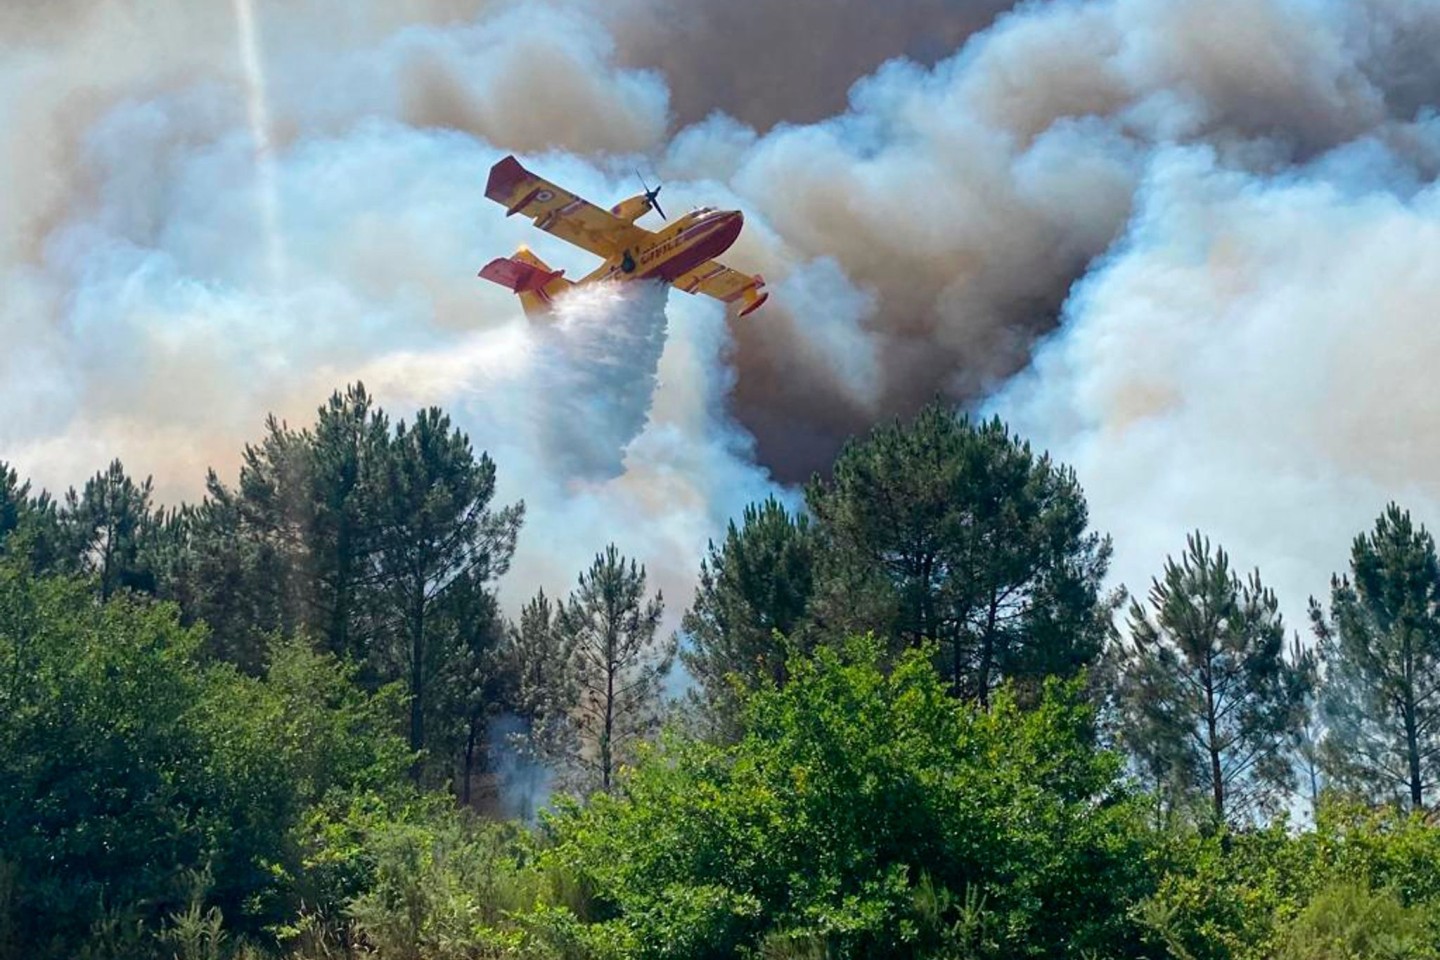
[126, 761]
[849, 785]
[1349, 921]
[1239, 894]
[442, 889]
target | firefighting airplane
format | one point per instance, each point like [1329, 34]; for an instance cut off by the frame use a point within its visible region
[682, 254]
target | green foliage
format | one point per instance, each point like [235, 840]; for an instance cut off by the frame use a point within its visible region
[1240, 895]
[125, 761]
[381, 544]
[750, 607]
[617, 664]
[440, 546]
[1219, 894]
[440, 884]
[1209, 703]
[14, 500]
[229, 781]
[108, 525]
[955, 532]
[441, 890]
[1349, 921]
[31, 535]
[1381, 649]
[544, 685]
[849, 784]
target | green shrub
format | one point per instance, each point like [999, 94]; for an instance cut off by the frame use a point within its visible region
[1349, 921]
[127, 761]
[849, 785]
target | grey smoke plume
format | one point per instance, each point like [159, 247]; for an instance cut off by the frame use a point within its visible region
[766, 63]
[969, 197]
[1256, 358]
[1208, 171]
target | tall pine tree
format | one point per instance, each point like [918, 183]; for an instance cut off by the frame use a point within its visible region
[956, 532]
[1381, 650]
[438, 536]
[107, 525]
[542, 683]
[751, 603]
[618, 661]
[347, 450]
[1210, 704]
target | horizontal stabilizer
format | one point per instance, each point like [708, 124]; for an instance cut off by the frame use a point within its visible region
[517, 275]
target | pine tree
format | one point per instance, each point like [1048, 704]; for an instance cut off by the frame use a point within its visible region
[272, 514]
[751, 603]
[541, 691]
[14, 501]
[1210, 703]
[471, 684]
[347, 449]
[223, 580]
[1310, 744]
[294, 542]
[438, 534]
[542, 683]
[618, 663]
[107, 525]
[31, 535]
[949, 531]
[1381, 650]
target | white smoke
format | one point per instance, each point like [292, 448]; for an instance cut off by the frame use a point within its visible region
[1255, 360]
[1242, 188]
[142, 317]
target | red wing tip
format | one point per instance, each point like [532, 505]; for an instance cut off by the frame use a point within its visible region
[756, 305]
[505, 176]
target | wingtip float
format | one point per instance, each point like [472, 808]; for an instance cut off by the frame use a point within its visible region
[682, 254]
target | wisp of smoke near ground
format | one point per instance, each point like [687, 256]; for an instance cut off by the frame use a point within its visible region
[1189, 247]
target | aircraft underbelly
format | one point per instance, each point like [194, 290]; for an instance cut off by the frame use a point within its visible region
[707, 247]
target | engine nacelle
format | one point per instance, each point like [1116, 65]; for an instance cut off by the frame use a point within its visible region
[632, 209]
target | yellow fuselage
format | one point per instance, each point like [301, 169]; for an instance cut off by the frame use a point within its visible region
[675, 251]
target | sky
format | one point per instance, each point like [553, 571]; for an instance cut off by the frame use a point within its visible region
[1187, 247]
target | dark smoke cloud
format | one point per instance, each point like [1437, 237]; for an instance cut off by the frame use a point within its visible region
[765, 62]
[969, 197]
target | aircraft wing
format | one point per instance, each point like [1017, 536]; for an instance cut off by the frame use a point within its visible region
[558, 211]
[714, 279]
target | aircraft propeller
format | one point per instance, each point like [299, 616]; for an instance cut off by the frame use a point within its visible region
[650, 195]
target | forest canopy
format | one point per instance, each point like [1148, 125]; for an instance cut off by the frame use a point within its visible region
[916, 720]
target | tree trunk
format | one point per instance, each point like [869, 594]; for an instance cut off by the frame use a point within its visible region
[340, 610]
[926, 627]
[417, 680]
[1412, 754]
[1217, 789]
[987, 651]
[609, 728]
[469, 763]
[1412, 731]
[956, 689]
[106, 561]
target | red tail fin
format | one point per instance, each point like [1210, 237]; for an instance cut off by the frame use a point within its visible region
[518, 275]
